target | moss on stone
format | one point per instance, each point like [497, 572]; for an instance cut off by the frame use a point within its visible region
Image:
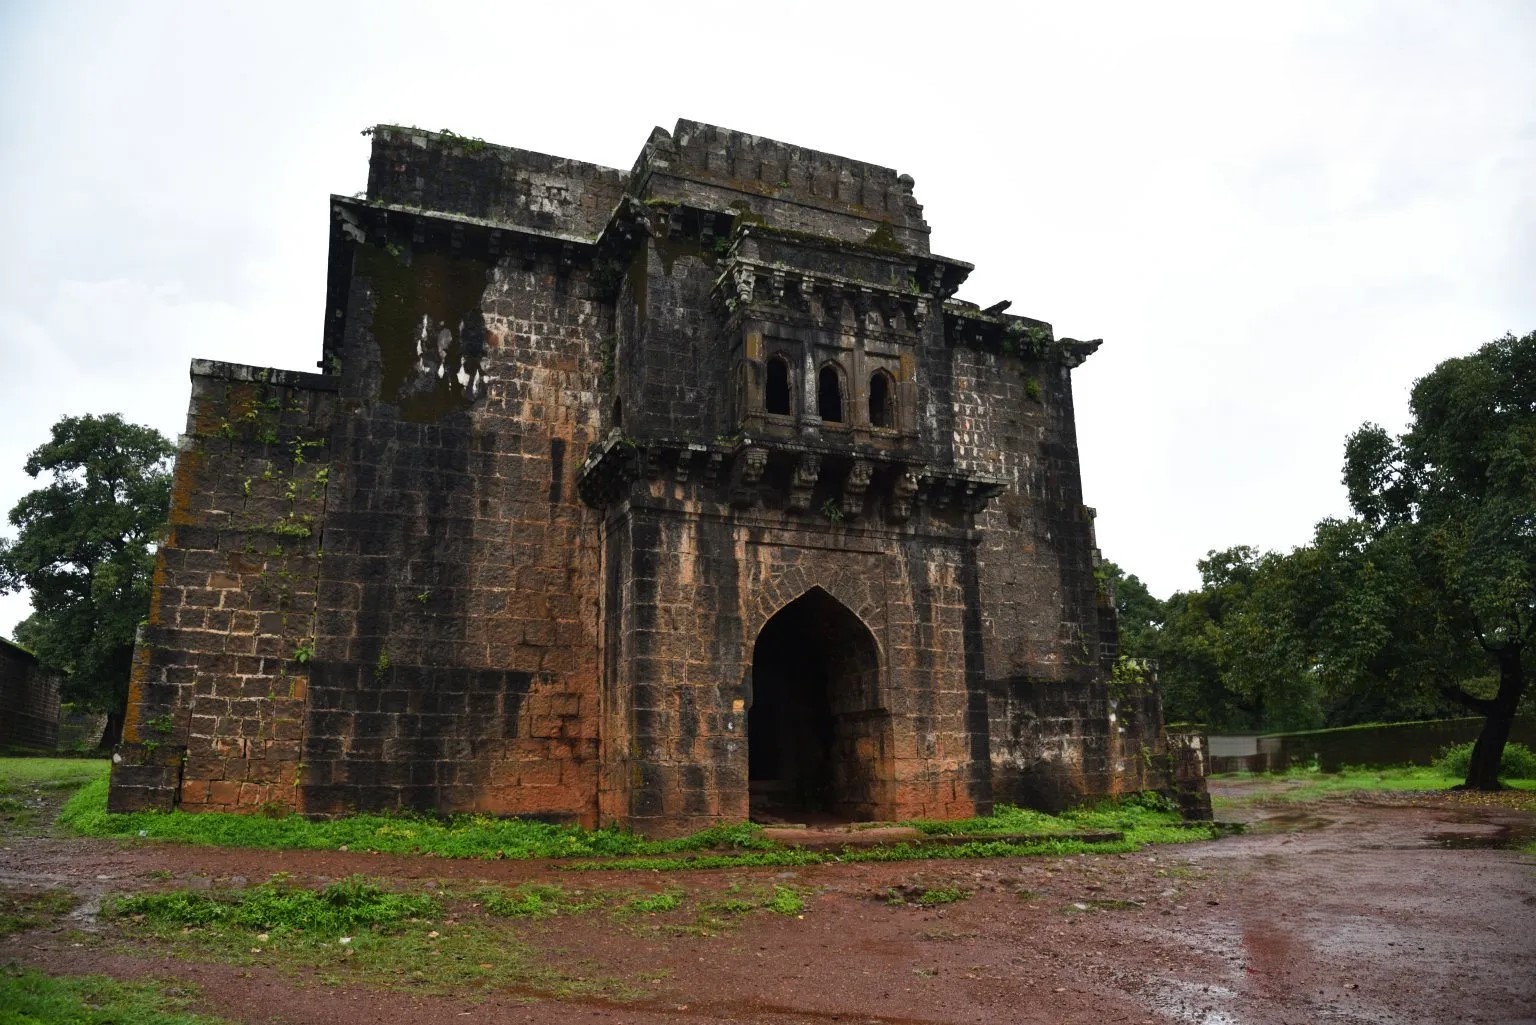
[444, 292]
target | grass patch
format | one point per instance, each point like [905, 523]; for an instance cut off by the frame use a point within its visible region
[895, 852]
[1302, 784]
[781, 900]
[31, 788]
[53, 773]
[21, 910]
[785, 901]
[28, 996]
[740, 845]
[354, 931]
[1140, 824]
[536, 900]
[654, 903]
[919, 897]
[1142, 818]
[464, 836]
[273, 907]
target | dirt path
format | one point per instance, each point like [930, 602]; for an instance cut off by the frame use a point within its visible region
[1343, 911]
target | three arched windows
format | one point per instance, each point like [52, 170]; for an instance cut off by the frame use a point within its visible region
[831, 395]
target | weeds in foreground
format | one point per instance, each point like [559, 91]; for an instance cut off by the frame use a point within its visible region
[55, 773]
[1048, 846]
[919, 897]
[356, 931]
[735, 845]
[30, 786]
[21, 910]
[654, 903]
[352, 931]
[464, 836]
[273, 907]
[28, 996]
[1304, 784]
[1516, 761]
[536, 900]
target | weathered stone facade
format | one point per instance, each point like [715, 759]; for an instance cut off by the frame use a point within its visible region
[29, 701]
[657, 498]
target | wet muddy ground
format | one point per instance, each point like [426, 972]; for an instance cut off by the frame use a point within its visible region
[1356, 911]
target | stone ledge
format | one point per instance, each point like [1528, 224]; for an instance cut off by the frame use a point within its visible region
[220, 371]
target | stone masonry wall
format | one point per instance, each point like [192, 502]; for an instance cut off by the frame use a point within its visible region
[790, 186]
[514, 552]
[220, 676]
[29, 701]
[699, 587]
[456, 644]
[518, 188]
[1059, 731]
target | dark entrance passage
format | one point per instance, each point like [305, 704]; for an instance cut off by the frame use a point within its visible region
[816, 741]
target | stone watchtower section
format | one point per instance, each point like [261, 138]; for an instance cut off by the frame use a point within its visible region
[658, 498]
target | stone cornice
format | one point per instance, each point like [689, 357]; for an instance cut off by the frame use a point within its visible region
[856, 482]
[970, 327]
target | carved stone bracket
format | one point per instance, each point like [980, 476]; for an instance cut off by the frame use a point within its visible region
[687, 459]
[712, 464]
[746, 472]
[856, 487]
[1072, 353]
[736, 470]
[608, 471]
[807, 472]
[746, 283]
[903, 492]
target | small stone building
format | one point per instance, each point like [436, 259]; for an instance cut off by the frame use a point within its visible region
[29, 701]
[658, 498]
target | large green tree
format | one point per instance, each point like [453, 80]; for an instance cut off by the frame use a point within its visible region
[1140, 614]
[1456, 493]
[1329, 634]
[1229, 653]
[84, 548]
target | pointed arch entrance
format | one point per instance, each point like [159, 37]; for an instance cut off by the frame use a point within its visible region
[818, 739]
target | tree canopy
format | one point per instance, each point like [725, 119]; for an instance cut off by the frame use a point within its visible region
[85, 550]
[1457, 492]
[1424, 602]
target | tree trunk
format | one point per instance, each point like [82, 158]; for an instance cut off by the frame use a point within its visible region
[113, 734]
[1483, 771]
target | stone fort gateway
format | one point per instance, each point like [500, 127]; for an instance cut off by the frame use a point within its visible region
[656, 498]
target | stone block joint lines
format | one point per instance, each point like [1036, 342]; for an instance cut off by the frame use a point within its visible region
[660, 497]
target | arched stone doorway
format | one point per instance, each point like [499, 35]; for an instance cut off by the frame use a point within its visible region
[817, 739]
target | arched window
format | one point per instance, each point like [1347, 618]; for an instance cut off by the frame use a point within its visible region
[882, 400]
[618, 413]
[829, 394]
[776, 394]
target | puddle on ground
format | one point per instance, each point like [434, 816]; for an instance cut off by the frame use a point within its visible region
[1498, 838]
[1194, 1003]
[1289, 822]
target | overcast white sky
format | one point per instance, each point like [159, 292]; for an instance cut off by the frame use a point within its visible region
[1277, 217]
